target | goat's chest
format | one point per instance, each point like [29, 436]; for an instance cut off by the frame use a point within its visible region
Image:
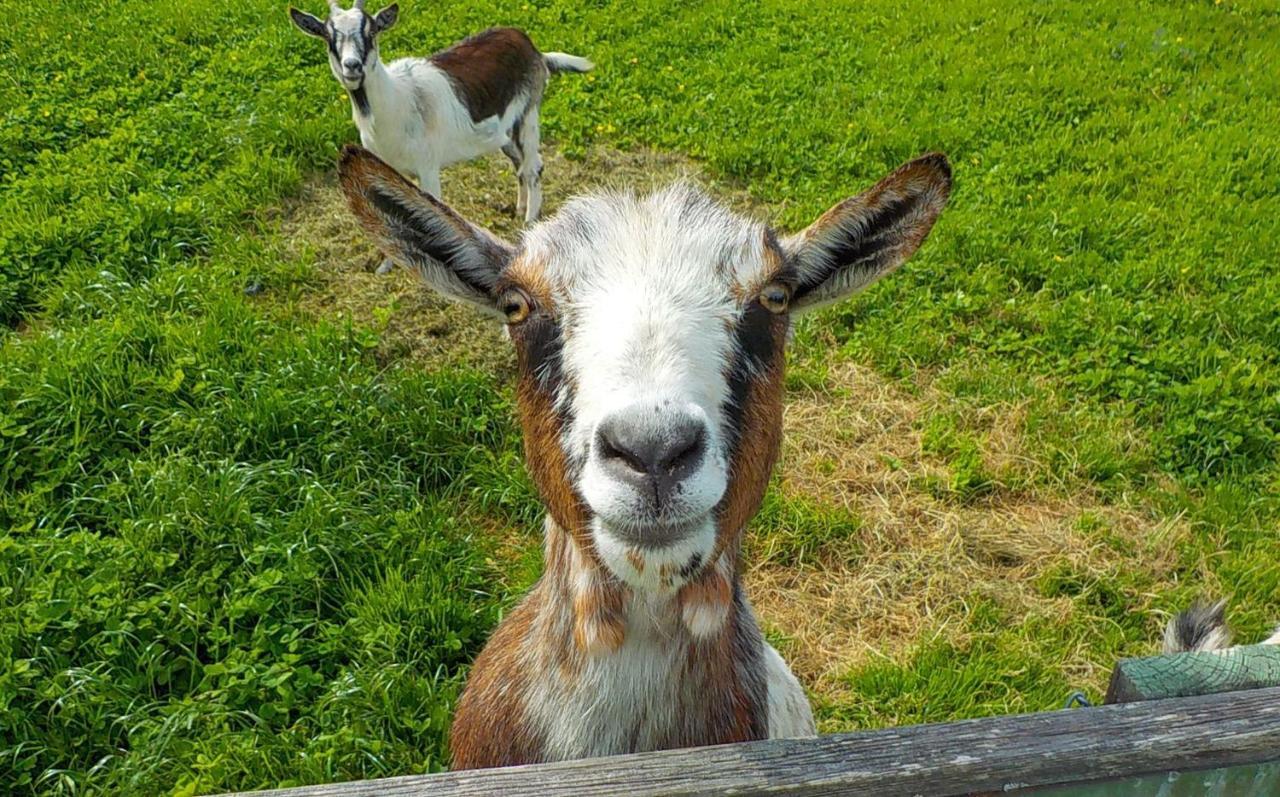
[640, 697]
[396, 137]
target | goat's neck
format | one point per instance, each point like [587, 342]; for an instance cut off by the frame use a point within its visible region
[372, 93]
[579, 593]
[538, 693]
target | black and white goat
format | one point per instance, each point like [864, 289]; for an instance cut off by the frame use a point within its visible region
[420, 115]
[1203, 627]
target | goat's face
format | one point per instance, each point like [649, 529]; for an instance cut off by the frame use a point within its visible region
[650, 335]
[649, 356]
[352, 36]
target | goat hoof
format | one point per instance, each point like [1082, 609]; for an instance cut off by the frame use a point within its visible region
[385, 267]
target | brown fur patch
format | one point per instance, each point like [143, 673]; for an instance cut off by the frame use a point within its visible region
[599, 628]
[636, 560]
[736, 697]
[491, 68]
[489, 726]
[759, 443]
[530, 275]
[599, 621]
[546, 460]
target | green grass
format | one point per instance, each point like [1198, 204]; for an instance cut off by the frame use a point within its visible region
[234, 549]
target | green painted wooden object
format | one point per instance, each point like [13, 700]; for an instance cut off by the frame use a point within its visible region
[1184, 674]
[1250, 780]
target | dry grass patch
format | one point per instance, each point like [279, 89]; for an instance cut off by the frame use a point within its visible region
[919, 557]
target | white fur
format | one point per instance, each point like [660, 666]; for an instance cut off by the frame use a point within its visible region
[669, 559]
[647, 291]
[629, 700]
[630, 693]
[570, 63]
[790, 715]
[419, 126]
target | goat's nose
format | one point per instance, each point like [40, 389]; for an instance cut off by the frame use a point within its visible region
[653, 452]
[352, 64]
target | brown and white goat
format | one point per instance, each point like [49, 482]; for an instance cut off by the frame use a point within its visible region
[420, 115]
[650, 335]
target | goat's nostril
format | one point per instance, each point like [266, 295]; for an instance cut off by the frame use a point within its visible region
[685, 450]
[613, 448]
[660, 449]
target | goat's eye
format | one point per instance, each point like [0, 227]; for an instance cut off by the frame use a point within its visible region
[515, 305]
[775, 297]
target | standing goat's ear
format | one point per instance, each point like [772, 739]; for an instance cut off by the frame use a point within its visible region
[386, 18]
[312, 26]
[867, 236]
[457, 258]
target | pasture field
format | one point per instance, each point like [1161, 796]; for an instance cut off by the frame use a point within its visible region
[253, 538]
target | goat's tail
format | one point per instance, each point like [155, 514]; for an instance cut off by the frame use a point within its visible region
[563, 62]
[1201, 627]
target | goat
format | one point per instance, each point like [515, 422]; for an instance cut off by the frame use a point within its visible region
[649, 334]
[1203, 627]
[420, 115]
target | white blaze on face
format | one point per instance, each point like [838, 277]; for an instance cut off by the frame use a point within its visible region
[352, 46]
[647, 297]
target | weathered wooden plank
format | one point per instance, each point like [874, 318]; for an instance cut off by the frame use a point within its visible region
[999, 754]
[1184, 674]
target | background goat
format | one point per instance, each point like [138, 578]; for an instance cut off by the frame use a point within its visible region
[650, 335]
[422, 114]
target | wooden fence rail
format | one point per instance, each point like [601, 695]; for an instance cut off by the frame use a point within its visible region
[1016, 754]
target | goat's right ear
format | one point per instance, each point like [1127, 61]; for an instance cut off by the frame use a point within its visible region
[385, 18]
[457, 258]
[867, 236]
[312, 26]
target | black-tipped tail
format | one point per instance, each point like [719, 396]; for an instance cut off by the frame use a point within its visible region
[1201, 627]
[563, 62]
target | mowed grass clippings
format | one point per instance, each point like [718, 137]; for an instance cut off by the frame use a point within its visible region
[253, 538]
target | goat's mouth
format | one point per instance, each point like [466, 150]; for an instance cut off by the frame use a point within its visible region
[656, 534]
[657, 558]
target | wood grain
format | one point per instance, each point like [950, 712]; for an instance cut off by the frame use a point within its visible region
[1183, 674]
[999, 754]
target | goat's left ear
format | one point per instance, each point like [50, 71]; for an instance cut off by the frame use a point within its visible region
[867, 236]
[386, 18]
[459, 259]
[308, 24]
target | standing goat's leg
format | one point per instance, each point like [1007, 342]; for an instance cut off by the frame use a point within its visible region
[429, 182]
[530, 170]
[512, 150]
